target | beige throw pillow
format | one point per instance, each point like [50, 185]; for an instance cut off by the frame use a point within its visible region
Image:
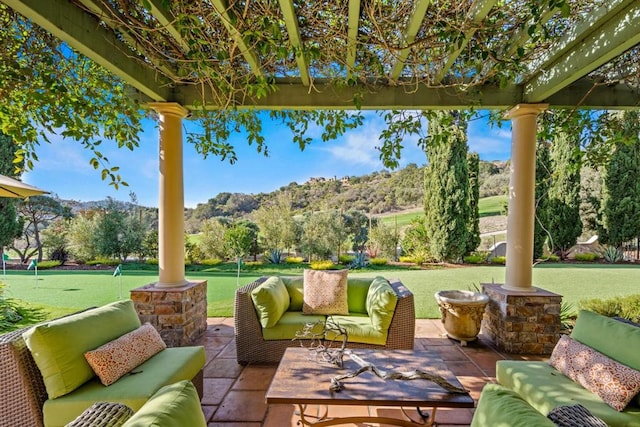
[613, 382]
[114, 359]
[325, 292]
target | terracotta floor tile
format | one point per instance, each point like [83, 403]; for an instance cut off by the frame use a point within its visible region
[454, 415]
[229, 351]
[464, 368]
[450, 353]
[222, 368]
[255, 377]
[241, 406]
[233, 424]
[281, 416]
[215, 390]
[208, 411]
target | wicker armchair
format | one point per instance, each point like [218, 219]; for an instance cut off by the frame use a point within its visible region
[251, 347]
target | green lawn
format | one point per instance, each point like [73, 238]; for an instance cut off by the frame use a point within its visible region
[60, 292]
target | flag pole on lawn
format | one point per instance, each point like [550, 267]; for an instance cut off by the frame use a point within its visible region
[118, 272]
[34, 264]
[5, 257]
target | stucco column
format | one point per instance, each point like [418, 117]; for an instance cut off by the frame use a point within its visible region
[521, 215]
[171, 196]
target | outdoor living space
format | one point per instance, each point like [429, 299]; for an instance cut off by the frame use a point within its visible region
[234, 395]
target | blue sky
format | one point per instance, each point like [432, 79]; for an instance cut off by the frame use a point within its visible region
[63, 167]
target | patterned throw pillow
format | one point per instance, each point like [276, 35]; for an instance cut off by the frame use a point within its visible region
[114, 359]
[613, 382]
[325, 292]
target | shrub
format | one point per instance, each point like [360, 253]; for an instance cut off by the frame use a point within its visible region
[551, 258]
[104, 261]
[498, 260]
[151, 261]
[345, 259]
[612, 254]
[43, 265]
[253, 264]
[322, 265]
[406, 259]
[379, 261]
[587, 256]
[627, 307]
[211, 262]
[359, 261]
[476, 258]
[274, 256]
[294, 260]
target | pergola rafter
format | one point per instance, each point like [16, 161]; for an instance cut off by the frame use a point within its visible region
[415, 23]
[294, 37]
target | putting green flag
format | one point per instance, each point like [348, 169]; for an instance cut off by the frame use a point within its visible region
[32, 264]
[5, 257]
[117, 271]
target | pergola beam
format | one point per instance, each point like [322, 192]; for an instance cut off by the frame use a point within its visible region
[610, 32]
[84, 33]
[222, 9]
[479, 10]
[166, 19]
[352, 35]
[291, 21]
[415, 22]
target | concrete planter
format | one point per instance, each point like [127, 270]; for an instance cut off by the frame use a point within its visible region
[462, 313]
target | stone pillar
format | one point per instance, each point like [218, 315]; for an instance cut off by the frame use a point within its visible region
[521, 216]
[178, 313]
[171, 196]
[522, 322]
[177, 308]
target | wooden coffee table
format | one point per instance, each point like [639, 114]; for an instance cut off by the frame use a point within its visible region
[302, 381]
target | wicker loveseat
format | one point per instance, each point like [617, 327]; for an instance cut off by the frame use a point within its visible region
[252, 347]
[25, 397]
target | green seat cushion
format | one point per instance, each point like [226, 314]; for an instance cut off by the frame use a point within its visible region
[501, 407]
[271, 300]
[381, 303]
[617, 340]
[167, 367]
[357, 290]
[58, 346]
[545, 388]
[290, 323]
[175, 405]
[295, 287]
[359, 329]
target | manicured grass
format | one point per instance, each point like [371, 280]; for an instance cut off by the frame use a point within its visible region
[60, 292]
[491, 206]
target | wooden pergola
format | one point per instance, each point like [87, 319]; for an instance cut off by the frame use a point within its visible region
[520, 56]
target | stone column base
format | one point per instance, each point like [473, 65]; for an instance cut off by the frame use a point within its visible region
[522, 322]
[179, 314]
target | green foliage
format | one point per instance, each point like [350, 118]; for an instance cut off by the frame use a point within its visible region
[322, 265]
[567, 315]
[613, 254]
[543, 183]
[104, 261]
[294, 260]
[274, 256]
[378, 261]
[9, 312]
[119, 232]
[563, 209]
[501, 260]
[473, 238]
[275, 221]
[408, 259]
[383, 241]
[44, 265]
[627, 307]
[345, 259]
[211, 262]
[360, 261]
[322, 234]
[238, 240]
[621, 202]
[586, 256]
[550, 258]
[476, 258]
[212, 238]
[447, 186]
[253, 264]
[151, 261]
[80, 234]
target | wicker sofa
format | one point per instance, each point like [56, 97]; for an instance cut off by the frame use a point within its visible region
[25, 391]
[252, 347]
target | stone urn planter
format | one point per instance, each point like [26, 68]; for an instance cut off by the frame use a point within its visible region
[462, 313]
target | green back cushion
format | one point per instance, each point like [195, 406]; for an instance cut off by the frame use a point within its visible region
[271, 300]
[175, 405]
[381, 303]
[295, 287]
[618, 340]
[501, 407]
[357, 290]
[58, 346]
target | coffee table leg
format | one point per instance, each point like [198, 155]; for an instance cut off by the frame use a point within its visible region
[323, 420]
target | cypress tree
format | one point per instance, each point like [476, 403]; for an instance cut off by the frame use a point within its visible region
[621, 204]
[473, 163]
[543, 182]
[564, 223]
[10, 225]
[446, 201]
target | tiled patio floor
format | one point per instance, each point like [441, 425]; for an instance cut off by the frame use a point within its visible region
[234, 396]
